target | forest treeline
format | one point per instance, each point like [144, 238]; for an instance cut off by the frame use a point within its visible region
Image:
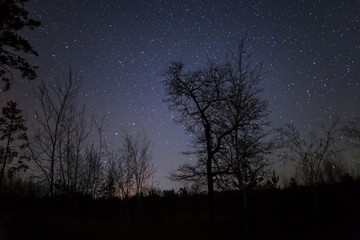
[64, 162]
[273, 213]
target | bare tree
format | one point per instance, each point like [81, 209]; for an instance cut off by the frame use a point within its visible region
[71, 150]
[219, 106]
[92, 174]
[80, 131]
[195, 95]
[242, 156]
[52, 135]
[352, 131]
[131, 166]
[317, 156]
[92, 159]
[120, 168]
[244, 161]
[137, 156]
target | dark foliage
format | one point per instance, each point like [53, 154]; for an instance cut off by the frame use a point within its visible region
[281, 214]
[13, 139]
[14, 18]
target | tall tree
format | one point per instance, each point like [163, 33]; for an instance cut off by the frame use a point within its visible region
[93, 170]
[195, 96]
[92, 174]
[76, 131]
[243, 151]
[14, 138]
[217, 105]
[57, 111]
[14, 18]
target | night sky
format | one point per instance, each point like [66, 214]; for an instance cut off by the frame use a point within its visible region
[120, 49]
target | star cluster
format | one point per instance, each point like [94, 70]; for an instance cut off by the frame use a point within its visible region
[120, 50]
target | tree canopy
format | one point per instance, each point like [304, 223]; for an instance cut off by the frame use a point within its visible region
[13, 18]
[221, 107]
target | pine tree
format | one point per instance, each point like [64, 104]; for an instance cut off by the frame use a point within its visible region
[14, 18]
[13, 138]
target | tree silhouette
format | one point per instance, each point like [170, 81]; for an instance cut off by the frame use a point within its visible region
[137, 151]
[92, 172]
[195, 96]
[352, 131]
[14, 138]
[221, 108]
[14, 18]
[49, 148]
[131, 166]
[316, 156]
[120, 168]
[108, 188]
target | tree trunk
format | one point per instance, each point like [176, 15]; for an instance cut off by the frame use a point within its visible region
[210, 180]
[2, 171]
[245, 213]
[5, 157]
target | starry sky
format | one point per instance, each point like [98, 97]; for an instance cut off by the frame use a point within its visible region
[120, 49]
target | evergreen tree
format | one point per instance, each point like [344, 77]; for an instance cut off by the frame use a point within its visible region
[13, 138]
[14, 18]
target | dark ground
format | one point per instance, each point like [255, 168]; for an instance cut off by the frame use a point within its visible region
[325, 212]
